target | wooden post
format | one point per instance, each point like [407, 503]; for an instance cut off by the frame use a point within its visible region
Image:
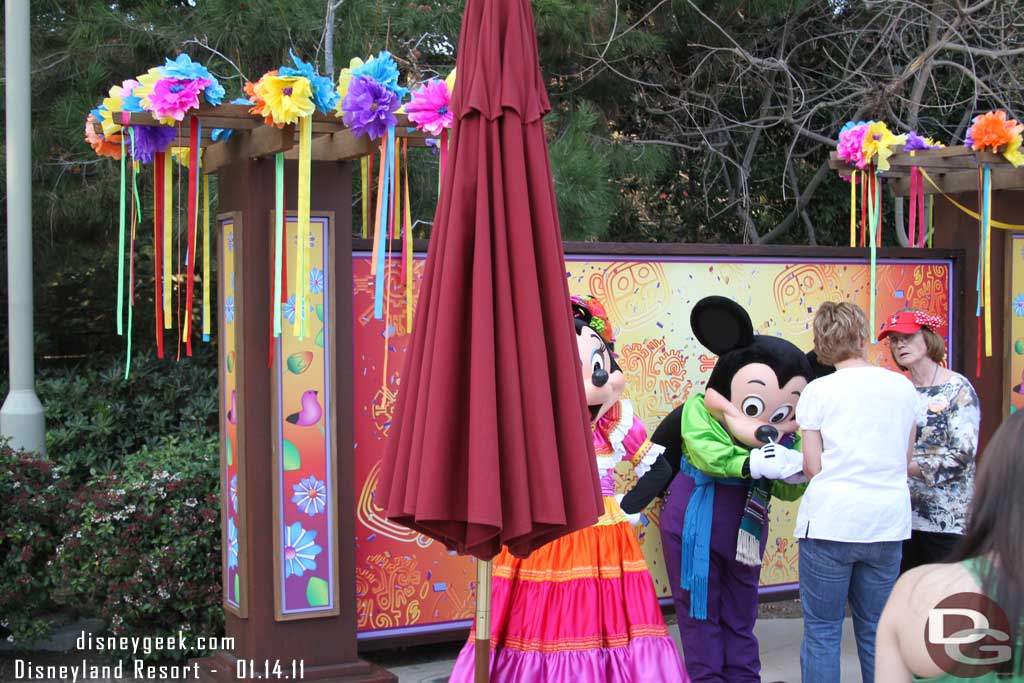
[269, 640]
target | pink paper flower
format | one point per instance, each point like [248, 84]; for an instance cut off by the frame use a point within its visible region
[172, 97]
[851, 145]
[429, 107]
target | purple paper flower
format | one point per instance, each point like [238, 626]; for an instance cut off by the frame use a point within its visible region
[915, 143]
[969, 141]
[369, 108]
[150, 140]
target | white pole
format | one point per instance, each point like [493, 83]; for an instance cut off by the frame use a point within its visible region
[21, 417]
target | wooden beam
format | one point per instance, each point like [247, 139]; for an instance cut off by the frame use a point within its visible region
[246, 144]
[964, 181]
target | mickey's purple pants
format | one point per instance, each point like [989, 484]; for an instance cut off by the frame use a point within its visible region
[722, 648]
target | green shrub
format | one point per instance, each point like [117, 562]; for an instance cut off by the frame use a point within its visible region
[95, 417]
[33, 495]
[141, 549]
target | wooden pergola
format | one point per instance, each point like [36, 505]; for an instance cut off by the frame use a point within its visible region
[952, 173]
[252, 138]
[953, 169]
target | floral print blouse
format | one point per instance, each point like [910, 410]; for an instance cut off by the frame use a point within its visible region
[948, 418]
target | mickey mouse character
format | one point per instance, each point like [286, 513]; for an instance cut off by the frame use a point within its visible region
[722, 455]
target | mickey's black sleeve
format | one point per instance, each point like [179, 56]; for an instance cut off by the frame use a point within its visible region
[668, 436]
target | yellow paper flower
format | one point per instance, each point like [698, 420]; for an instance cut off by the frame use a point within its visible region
[1012, 152]
[344, 79]
[450, 82]
[145, 89]
[181, 155]
[877, 144]
[286, 98]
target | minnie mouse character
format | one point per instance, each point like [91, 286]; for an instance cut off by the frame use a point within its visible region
[722, 455]
[583, 607]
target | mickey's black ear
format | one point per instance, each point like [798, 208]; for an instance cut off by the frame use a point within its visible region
[817, 367]
[721, 324]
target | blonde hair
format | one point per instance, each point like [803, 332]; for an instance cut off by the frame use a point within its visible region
[840, 330]
[934, 344]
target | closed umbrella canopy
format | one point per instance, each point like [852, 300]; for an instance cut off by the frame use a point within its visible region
[491, 442]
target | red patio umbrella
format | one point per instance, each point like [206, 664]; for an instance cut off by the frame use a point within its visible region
[491, 443]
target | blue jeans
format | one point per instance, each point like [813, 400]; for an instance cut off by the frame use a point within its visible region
[831, 572]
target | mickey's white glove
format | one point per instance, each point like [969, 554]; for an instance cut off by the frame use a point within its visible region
[775, 462]
[634, 518]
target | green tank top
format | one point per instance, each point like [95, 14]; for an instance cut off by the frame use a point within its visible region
[978, 566]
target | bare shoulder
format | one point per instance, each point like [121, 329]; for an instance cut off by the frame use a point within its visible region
[915, 594]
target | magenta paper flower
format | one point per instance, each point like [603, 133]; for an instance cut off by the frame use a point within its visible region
[369, 108]
[851, 145]
[429, 107]
[172, 97]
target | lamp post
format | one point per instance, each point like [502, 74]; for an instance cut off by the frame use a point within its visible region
[21, 417]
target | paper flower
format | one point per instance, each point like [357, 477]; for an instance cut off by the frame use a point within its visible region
[851, 143]
[344, 79]
[144, 91]
[149, 140]
[101, 144]
[256, 100]
[173, 97]
[185, 69]
[429, 107]
[384, 70]
[324, 96]
[916, 143]
[878, 141]
[285, 98]
[369, 107]
[993, 130]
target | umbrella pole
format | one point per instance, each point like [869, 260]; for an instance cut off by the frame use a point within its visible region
[483, 621]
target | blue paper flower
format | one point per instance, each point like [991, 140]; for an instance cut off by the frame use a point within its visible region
[220, 134]
[384, 70]
[310, 496]
[299, 550]
[324, 95]
[183, 67]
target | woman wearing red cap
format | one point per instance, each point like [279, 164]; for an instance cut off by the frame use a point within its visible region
[948, 417]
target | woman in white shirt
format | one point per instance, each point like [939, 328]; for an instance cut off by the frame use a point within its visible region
[858, 425]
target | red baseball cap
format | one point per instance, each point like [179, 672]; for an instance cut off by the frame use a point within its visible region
[909, 322]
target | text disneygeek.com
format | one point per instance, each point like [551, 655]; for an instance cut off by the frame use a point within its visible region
[135, 650]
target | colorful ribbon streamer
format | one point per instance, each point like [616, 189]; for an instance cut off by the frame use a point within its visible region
[407, 256]
[364, 175]
[874, 218]
[302, 277]
[158, 244]
[206, 259]
[193, 216]
[278, 238]
[120, 249]
[993, 223]
[853, 209]
[168, 234]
